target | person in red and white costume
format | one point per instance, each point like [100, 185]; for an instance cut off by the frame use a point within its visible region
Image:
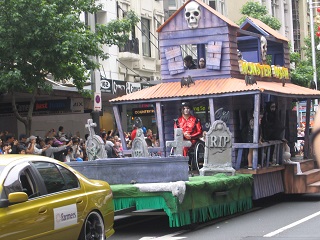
[191, 126]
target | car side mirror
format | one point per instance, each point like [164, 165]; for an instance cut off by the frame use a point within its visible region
[16, 197]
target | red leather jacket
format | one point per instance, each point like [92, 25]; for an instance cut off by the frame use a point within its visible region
[191, 125]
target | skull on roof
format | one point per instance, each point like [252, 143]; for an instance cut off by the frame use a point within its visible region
[192, 14]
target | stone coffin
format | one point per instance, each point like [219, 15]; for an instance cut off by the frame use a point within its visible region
[140, 170]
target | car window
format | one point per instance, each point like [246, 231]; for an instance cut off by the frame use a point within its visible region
[20, 179]
[70, 179]
[55, 177]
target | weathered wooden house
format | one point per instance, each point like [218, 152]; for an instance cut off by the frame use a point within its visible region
[246, 67]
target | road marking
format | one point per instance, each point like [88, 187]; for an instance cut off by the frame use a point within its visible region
[292, 225]
[167, 237]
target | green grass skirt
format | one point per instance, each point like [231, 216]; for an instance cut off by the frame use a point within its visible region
[203, 200]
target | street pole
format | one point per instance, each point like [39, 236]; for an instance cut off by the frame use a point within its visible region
[313, 48]
[95, 82]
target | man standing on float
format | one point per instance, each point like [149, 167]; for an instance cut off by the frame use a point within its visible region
[191, 126]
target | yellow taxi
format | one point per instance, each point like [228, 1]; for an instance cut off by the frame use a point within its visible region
[41, 198]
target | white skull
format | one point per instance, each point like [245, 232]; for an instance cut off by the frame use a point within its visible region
[264, 46]
[192, 14]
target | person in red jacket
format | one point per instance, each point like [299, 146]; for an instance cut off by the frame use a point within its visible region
[191, 126]
[134, 132]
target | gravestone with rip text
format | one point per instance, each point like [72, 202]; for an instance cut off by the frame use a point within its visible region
[139, 145]
[218, 150]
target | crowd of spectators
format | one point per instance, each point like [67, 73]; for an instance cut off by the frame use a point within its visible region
[54, 144]
[66, 148]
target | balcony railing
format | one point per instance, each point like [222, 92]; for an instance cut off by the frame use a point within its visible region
[131, 46]
[264, 155]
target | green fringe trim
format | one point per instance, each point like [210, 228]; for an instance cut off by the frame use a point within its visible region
[200, 202]
[208, 213]
[185, 217]
[155, 202]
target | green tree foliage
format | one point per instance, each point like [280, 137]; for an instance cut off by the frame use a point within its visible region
[308, 52]
[39, 37]
[302, 72]
[256, 10]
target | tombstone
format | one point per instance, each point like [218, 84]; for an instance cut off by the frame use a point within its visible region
[178, 144]
[139, 145]
[218, 150]
[95, 146]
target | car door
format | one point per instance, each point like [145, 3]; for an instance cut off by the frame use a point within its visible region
[65, 201]
[26, 219]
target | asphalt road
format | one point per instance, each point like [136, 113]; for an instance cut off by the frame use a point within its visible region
[281, 217]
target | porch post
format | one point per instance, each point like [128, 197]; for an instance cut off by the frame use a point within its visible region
[256, 129]
[306, 147]
[116, 113]
[211, 107]
[160, 127]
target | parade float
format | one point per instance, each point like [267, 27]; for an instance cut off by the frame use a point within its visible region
[247, 68]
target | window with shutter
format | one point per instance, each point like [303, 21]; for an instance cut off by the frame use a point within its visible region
[214, 55]
[175, 60]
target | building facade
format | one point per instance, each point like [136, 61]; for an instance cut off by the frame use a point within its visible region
[137, 64]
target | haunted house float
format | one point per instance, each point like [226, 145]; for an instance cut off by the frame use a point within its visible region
[246, 67]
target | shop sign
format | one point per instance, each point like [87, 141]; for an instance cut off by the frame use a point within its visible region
[148, 111]
[118, 88]
[39, 106]
[144, 85]
[132, 87]
[77, 105]
[52, 105]
[199, 108]
[106, 85]
[257, 69]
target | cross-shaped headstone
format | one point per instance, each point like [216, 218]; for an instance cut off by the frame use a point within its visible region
[94, 145]
[178, 144]
[91, 125]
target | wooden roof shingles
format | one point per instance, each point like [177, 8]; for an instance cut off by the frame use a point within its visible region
[266, 28]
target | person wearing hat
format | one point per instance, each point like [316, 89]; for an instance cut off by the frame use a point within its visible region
[191, 126]
[51, 150]
[63, 140]
[33, 148]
